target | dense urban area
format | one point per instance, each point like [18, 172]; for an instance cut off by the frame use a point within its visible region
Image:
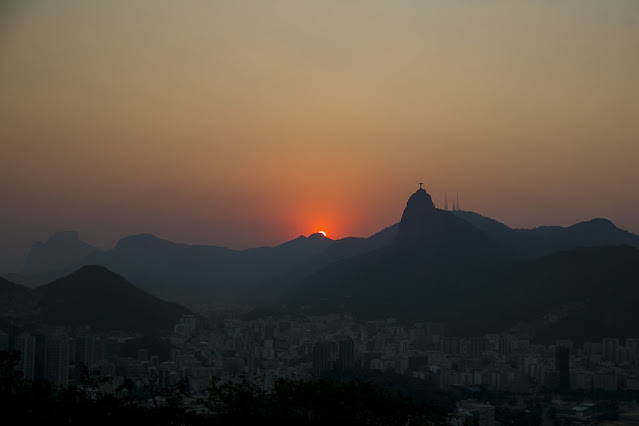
[490, 378]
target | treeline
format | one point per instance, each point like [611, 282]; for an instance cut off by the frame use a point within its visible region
[229, 402]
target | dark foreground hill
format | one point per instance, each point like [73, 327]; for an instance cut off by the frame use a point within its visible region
[588, 293]
[95, 296]
[583, 294]
[15, 299]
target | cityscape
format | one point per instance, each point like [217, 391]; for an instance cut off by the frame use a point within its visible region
[225, 346]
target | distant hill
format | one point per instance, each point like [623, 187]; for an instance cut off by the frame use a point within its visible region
[595, 232]
[202, 274]
[197, 273]
[95, 296]
[61, 251]
[181, 272]
[544, 240]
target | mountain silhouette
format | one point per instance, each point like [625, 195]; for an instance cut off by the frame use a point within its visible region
[429, 230]
[61, 251]
[434, 257]
[544, 240]
[181, 272]
[443, 269]
[257, 276]
[595, 232]
[197, 273]
[95, 296]
[279, 284]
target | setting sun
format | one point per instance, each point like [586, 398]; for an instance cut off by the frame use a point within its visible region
[322, 232]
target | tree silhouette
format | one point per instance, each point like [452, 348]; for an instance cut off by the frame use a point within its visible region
[231, 401]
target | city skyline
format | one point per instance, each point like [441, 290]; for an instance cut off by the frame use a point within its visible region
[248, 124]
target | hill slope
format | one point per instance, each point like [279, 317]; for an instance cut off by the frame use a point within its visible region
[15, 299]
[95, 296]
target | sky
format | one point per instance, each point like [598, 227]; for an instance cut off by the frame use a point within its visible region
[247, 123]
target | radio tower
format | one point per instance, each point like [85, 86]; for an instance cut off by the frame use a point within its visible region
[445, 201]
[458, 208]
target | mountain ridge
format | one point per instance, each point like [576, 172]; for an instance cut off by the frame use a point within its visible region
[421, 278]
[193, 273]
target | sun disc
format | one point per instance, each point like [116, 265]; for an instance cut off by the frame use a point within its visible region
[322, 232]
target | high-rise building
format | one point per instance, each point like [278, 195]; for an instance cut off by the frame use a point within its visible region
[321, 358]
[592, 348]
[609, 347]
[417, 362]
[85, 350]
[346, 359]
[98, 351]
[186, 326]
[269, 331]
[26, 345]
[562, 365]
[633, 348]
[505, 344]
[451, 345]
[56, 360]
[474, 346]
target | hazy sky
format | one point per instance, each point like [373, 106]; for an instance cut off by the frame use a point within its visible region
[245, 123]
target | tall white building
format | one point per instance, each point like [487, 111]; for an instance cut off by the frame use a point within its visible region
[56, 360]
[26, 345]
[85, 350]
